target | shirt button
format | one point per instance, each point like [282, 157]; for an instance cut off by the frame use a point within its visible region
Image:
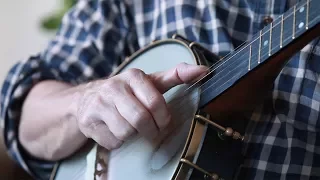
[267, 20]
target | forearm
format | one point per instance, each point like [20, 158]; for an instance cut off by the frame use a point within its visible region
[48, 128]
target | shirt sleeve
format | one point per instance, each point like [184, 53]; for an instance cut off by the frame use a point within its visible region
[89, 44]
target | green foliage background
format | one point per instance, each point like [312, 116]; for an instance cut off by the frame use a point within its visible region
[52, 21]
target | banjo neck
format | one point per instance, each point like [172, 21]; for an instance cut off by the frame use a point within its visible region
[256, 63]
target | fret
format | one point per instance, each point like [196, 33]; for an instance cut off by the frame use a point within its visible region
[276, 34]
[250, 54]
[265, 42]
[307, 16]
[259, 50]
[287, 27]
[270, 39]
[281, 33]
[255, 53]
[313, 12]
[294, 22]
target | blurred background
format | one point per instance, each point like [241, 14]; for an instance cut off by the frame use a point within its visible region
[25, 29]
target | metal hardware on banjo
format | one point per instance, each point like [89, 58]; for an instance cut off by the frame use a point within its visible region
[207, 135]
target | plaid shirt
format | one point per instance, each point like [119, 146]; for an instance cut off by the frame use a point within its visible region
[96, 36]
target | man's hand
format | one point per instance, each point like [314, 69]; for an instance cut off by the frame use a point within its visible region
[58, 118]
[112, 110]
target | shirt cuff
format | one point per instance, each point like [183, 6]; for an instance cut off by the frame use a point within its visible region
[20, 79]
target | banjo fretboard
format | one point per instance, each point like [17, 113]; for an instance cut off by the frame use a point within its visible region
[272, 39]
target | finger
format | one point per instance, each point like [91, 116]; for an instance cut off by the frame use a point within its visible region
[100, 133]
[136, 114]
[119, 127]
[182, 73]
[150, 98]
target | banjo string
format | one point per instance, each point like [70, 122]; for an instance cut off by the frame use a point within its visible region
[192, 87]
[205, 83]
[222, 61]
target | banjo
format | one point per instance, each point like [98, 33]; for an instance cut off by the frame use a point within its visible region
[207, 135]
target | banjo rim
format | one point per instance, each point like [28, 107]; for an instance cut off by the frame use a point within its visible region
[155, 43]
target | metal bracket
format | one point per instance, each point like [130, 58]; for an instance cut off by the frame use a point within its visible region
[207, 175]
[227, 132]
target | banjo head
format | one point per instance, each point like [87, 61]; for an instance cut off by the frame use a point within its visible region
[157, 159]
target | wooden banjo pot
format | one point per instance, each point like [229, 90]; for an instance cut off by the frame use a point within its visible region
[205, 139]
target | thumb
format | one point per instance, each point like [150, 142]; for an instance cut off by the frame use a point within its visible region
[182, 73]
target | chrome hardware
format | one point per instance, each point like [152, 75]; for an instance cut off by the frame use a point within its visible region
[103, 165]
[223, 132]
[228, 132]
[194, 44]
[207, 175]
[207, 57]
[177, 36]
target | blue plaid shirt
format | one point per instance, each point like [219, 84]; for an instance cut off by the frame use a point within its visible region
[96, 36]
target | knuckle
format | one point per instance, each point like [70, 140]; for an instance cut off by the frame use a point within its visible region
[94, 125]
[124, 134]
[115, 145]
[110, 84]
[134, 72]
[111, 89]
[88, 126]
[88, 106]
[166, 121]
[136, 75]
[96, 101]
[83, 121]
[87, 113]
[154, 102]
[141, 118]
[182, 64]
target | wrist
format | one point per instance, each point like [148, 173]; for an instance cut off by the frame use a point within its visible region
[77, 93]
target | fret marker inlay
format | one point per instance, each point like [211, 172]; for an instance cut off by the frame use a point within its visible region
[301, 25]
[301, 9]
